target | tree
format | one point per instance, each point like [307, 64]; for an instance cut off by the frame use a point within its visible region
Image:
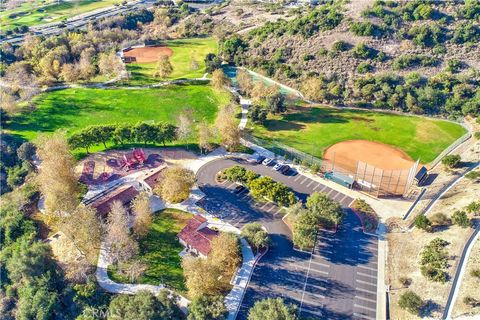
[143, 214]
[201, 277]
[176, 184]
[70, 72]
[272, 309]
[144, 306]
[460, 218]
[276, 103]
[204, 137]
[26, 151]
[411, 302]
[110, 65]
[422, 222]
[212, 62]
[57, 181]
[164, 68]
[305, 229]
[219, 79]
[121, 246]
[451, 161]
[325, 209]
[244, 81]
[225, 253]
[207, 308]
[82, 227]
[185, 124]
[256, 235]
[8, 103]
[257, 114]
[123, 133]
[228, 127]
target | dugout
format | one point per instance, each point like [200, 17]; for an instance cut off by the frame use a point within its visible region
[339, 178]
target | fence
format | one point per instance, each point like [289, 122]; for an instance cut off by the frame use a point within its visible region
[450, 148]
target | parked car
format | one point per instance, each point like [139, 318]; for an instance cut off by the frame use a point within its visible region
[278, 166]
[267, 161]
[238, 189]
[285, 169]
[259, 159]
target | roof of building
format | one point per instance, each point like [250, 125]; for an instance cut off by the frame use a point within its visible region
[122, 194]
[197, 236]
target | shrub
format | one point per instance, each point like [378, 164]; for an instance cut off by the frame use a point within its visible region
[475, 273]
[473, 207]
[411, 302]
[477, 135]
[256, 235]
[473, 175]
[423, 223]
[405, 281]
[362, 51]
[471, 301]
[454, 65]
[451, 161]
[340, 46]
[434, 260]
[460, 218]
[440, 219]
[364, 67]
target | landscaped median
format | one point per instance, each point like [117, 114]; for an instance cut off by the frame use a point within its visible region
[366, 214]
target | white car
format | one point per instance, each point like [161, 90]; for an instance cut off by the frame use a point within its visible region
[278, 167]
[267, 162]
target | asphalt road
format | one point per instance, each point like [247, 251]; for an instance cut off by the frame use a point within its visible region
[337, 281]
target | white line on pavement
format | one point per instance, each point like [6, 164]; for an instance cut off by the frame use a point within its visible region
[364, 307]
[308, 185]
[264, 205]
[316, 313]
[367, 275]
[272, 207]
[299, 176]
[356, 314]
[278, 211]
[367, 291]
[309, 268]
[366, 299]
[315, 188]
[366, 282]
[303, 181]
[367, 268]
[321, 264]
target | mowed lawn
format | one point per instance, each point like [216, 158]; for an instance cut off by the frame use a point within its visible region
[39, 12]
[159, 251]
[74, 109]
[314, 129]
[184, 50]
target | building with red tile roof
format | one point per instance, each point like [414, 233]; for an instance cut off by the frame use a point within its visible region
[196, 236]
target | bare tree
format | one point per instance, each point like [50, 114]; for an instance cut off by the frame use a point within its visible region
[70, 72]
[228, 127]
[164, 67]
[219, 79]
[57, 181]
[244, 81]
[86, 68]
[133, 270]
[185, 124]
[110, 65]
[143, 214]
[8, 103]
[121, 245]
[204, 137]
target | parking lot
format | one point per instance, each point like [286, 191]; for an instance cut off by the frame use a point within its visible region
[336, 281]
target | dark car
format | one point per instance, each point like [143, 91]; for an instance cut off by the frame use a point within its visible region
[285, 169]
[259, 159]
[238, 189]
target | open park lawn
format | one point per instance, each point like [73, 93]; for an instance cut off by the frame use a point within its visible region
[34, 12]
[74, 109]
[159, 250]
[314, 129]
[184, 50]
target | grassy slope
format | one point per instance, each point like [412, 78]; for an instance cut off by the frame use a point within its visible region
[37, 13]
[183, 51]
[313, 130]
[159, 250]
[74, 109]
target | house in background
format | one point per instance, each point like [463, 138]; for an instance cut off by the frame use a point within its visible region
[196, 237]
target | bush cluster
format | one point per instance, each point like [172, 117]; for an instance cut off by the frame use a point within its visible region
[414, 60]
[434, 260]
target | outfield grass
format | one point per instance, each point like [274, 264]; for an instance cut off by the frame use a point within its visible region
[160, 249]
[314, 129]
[39, 12]
[74, 109]
[183, 52]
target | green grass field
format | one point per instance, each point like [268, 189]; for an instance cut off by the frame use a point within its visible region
[184, 50]
[159, 250]
[74, 109]
[314, 129]
[40, 11]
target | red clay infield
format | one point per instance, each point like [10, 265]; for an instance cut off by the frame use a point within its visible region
[147, 54]
[382, 156]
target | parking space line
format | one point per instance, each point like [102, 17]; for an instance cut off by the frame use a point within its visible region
[323, 189]
[307, 268]
[321, 264]
[356, 314]
[339, 194]
[299, 176]
[294, 281]
[264, 205]
[278, 211]
[272, 207]
[367, 268]
[303, 181]
[366, 282]
[308, 185]
[364, 307]
[366, 290]
[366, 299]
[367, 275]
[315, 188]
[316, 313]
[330, 191]
[344, 196]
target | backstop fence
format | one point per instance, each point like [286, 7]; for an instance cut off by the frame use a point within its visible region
[375, 181]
